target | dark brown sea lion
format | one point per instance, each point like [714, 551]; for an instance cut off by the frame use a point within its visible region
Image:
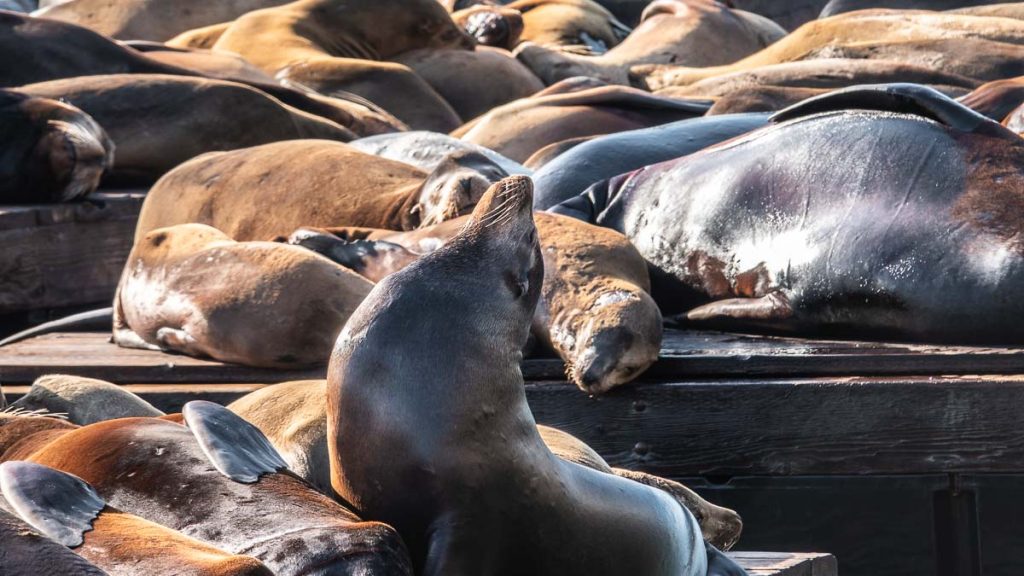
[52, 151]
[26, 552]
[681, 32]
[312, 183]
[218, 480]
[850, 244]
[490, 497]
[340, 45]
[160, 121]
[213, 64]
[192, 289]
[761, 99]
[83, 400]
[70, 512]
[520, 128]
[496, 26]
[577, 23]
[293, 417]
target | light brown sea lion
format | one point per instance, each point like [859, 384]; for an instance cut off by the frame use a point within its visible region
[1013, 10]
[83, 400]
[26, 550]
[204, 37]
[996, 99]
[843, 6]
[520, 128]
[293, 417]
[497, 26]
[22, 433]
[580, 23]
[315, 183]
[467, 80]
[463, 474]
[218, 480]
[69, 511]
[339, 45]
[761, 99]
[192, 289]
[681, 32]
[159, 121]
[982, 48]
[538, 159]
[52, 151]
[149, 19]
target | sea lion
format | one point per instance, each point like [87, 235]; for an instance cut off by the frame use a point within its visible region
[70, 512]
[203, 37]
[603, 157]
[983, 48]
[220, 65]
[426, 150]
[490, 497]
[312, 183]
[842, 6]
[83, 400]
[22, 433]
[26, 551]
[1015, 120]
[192, 289]
[681, 32]
[230, 490]
[762, 99]
[489, 25]
[52, 151]
[541, 157]
[857, 245]
[339, 44]
[159, 121]
[996, 99]
[1001, 10]
[522, 127]
[576, 23]
[466, 79]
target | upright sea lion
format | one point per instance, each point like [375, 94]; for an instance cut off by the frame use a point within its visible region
[850, 243]
[312, 183]
[490, 25]
[427, 150]
[83, 400]
[681, 32]
[293, 417]
[159, 121]
[218, 480]
[26, 552]
[192, 289]
[70, 512]
[578, 23]
[520, 128]
[490, 497]
[52, 151]
[339, 45]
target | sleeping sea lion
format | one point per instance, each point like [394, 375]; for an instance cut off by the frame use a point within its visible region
[312, 183]
[220, 65]
[490, 497]
[842, 6]
[26, 551]
[192, 289]
[427, 150]
[572, 23]
[52, 151]
[850, 243]
[497, 26]
[83, 400]
[70, 512]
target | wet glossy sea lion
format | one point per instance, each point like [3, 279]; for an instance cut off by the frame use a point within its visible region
[580, 23]
[490, 25]
[312, 183]
[159, 121]
[230, 490]
[520, 128]
[27, 552]
[52, 151]
[293, 417]
[490, 497]
[70, 512]
[427, 150]
[606, 156]
[682, 32]
[83, 400]
[192, 289]
[907, 229]
[343, 45]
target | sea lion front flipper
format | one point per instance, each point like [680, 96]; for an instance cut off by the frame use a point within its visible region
[721, 565]
[901, 98]
[58, 504]
[236, 448]
[772, 306]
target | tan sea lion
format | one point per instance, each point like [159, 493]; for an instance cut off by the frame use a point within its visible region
[490, 497]
[192, 289]
[204, 37]
[681, 32]
[520, 128]
[314, 183]
[489, 25]
[341, 45]
[293, 417]
[52, 151]
[70, 512]
[212, 64]
[83, 400]
[22, 433]
[159, 121]
[580, 23]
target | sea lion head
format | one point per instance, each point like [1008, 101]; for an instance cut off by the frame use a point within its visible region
[83, 400]
[496, 26]
[455, 186]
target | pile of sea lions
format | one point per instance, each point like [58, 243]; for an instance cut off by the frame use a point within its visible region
[416, 195]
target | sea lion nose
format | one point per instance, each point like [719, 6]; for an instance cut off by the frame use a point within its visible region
[601, 358]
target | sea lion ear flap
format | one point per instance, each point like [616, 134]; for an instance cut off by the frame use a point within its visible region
[58, 504]
[900, 98]
[236, 448]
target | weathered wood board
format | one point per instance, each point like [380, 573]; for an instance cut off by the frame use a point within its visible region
[786, 563]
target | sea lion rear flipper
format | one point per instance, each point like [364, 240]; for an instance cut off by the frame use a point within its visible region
[904, 98]
[772, 306]
[236, 448]
[58, 504]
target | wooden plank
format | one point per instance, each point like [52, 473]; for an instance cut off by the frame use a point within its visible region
[786, 563]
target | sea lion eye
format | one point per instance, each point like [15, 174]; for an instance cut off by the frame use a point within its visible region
[519, 285]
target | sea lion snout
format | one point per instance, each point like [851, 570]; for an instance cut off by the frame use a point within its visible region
[77, 151]
[455, 187]
[610, 357]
